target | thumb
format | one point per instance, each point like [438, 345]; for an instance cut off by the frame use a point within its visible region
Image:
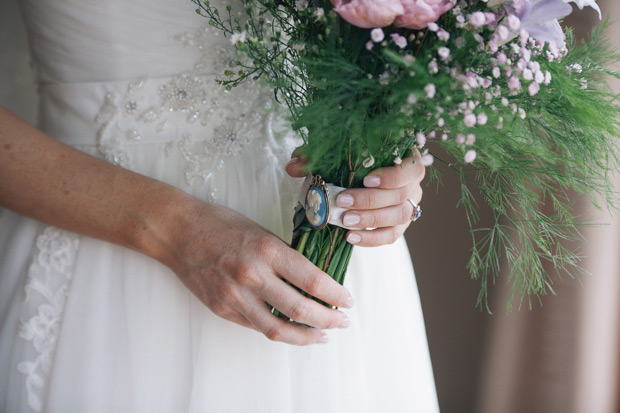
[296, 167]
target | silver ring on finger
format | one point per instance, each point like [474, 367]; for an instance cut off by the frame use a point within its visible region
[417, 211]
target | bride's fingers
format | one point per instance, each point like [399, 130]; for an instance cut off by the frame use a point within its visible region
[376, 237]
[371, 198]
[276, 329]
[296, 166]
[295, 268]
[301, 309]
[397, 176]
[379, 218]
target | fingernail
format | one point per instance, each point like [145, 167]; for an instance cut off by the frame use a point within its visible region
[349, 303]
[344, 200]
[346, 322]
[293, 160]
[350, 220]
[372, 181]
[354, 238]
[323, 339]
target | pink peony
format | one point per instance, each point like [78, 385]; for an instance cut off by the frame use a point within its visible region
[412, 14]
[368, 13]
[419, 13]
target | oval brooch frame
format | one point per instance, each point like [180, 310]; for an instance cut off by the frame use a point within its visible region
[317, 203]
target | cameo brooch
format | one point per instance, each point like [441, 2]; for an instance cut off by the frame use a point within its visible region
[317, 203]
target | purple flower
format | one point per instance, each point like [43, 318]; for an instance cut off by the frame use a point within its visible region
[539, 17]
[592, 3]
[490, 18]
[399, 40]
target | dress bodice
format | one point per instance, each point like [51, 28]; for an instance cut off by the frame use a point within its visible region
[94, 40]
[134, 82]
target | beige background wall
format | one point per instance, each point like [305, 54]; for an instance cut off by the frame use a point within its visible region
[559, 358]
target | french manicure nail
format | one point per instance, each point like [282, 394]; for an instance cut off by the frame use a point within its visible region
[354, 238]
[346, 322]
[344, 200]
[372, 181]
[323, 339]
[349, 303]
[350, 220]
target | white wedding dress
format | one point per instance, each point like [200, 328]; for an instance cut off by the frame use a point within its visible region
[87, 326]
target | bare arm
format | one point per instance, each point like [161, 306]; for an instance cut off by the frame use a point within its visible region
[56, 184]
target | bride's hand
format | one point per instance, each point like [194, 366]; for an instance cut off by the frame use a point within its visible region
[234, 267]
[382, 204]
[229, 262]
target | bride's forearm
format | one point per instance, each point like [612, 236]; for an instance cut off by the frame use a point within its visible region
[61, 186]
[228, 262]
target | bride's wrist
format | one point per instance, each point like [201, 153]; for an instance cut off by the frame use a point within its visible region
[164, 224]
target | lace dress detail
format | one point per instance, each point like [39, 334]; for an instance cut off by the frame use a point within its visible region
[49, 277]
[213, 124]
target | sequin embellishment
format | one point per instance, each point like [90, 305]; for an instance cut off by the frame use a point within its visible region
[211, 124]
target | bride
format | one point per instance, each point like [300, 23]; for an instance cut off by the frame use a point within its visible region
[145, 227]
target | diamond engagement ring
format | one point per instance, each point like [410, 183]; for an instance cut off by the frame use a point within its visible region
[417, 210]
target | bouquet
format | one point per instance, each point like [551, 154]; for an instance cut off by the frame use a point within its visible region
[492, 88]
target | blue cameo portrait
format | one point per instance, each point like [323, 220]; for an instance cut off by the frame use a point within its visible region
[317, 207]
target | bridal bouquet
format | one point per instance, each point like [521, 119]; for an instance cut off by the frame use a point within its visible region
[494, 89]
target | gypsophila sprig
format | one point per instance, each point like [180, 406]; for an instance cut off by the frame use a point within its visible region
[521, 110]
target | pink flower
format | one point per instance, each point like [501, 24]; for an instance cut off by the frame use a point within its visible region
[412, 14]
[420, 139]
[369, 13]
[377, 35]
[427, 159]
[514, 83]
[470, 156]
[470, 120]
[399, 40]
[443, 35]
[430, 90]
[477, 19]
[419, 13]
